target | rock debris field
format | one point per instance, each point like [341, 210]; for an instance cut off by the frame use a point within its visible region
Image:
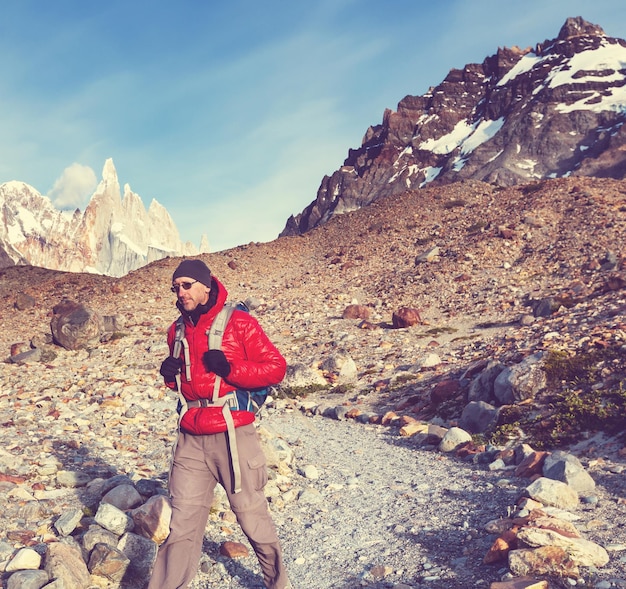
[362, 496]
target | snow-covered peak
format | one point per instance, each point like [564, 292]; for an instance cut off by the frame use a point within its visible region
[113, 236]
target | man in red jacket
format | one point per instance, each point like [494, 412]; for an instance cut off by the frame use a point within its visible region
[206, 453]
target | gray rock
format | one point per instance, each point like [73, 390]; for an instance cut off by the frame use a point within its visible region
[124, 497]
[72, 478]
[65, 562]
[343, 366]
[113, 519]
[108, 562]
[27, 356]
[299, 376]
[97, 535]
[67, 521]
[28, 580]
[453, 438]
[336, 412]
[521, 381]
[546, 307]
[553, 493]
[481, 387]
[479, 417]
[565, 467]
[140, 551]
[75, 326]
[113, 323]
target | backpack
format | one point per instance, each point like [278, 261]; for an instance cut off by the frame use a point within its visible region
[241, 399]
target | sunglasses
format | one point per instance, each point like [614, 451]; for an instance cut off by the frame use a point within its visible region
[184, 285]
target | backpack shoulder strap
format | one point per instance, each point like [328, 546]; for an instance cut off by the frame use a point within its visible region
[179, 333]
[215, 335]
[180, 344]
[216, 332]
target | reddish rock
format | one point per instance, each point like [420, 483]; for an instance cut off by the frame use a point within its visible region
[19, 348]
[388, 418]
[469, 449]
[406, 317]
[23, 536]
[444, 391]
[531, 465]
[353, 413]
[356, 312]
[501, 547]
[234, 550]
[506, 232]
[9, 478]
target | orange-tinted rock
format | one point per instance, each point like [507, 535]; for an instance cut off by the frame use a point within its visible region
[405, 317]
[234, 550]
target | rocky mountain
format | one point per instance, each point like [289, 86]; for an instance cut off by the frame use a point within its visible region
[554, 111]
[113, 236]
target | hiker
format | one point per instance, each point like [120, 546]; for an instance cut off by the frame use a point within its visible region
[217, 441]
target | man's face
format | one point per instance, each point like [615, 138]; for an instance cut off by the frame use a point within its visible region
[196, 293]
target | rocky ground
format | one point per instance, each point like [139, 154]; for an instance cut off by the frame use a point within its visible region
[473, 259]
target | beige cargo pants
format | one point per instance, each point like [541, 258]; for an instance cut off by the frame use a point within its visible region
[199, 463]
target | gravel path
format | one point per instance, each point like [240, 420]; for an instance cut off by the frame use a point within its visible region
[379, 513]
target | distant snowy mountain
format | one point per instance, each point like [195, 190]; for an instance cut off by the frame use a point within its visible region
[521, 115]
[113, 236]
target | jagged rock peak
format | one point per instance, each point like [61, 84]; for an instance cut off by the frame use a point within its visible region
[577, 26]
[109, 173]
[113, 236]
[521, 115]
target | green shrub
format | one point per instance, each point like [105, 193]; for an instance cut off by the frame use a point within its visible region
[286, 392]
[580, 397]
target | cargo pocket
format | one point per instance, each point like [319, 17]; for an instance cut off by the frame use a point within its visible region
[258, 471]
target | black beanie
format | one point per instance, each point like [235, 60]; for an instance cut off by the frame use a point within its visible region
[195, 269]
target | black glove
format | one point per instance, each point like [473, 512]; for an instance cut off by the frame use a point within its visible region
[215, 361]
[170, 367]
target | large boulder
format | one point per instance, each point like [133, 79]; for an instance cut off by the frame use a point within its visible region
[75, 326]
[521, 381]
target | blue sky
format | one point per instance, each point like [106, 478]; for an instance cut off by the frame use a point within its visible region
[230, 113]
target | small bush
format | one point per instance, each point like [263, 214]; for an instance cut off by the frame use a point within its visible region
[454, 203]
[477, 227]
[575, 403]
[285, 392]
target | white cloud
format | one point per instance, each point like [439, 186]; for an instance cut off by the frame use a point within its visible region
[75, 185]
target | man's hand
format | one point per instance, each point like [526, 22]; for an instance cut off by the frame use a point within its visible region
[215, 361]
[170, 367]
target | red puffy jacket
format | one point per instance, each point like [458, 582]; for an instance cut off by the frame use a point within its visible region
[254, 360]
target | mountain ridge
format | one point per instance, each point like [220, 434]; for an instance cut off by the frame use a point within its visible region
[520, 115]
[114, 235]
